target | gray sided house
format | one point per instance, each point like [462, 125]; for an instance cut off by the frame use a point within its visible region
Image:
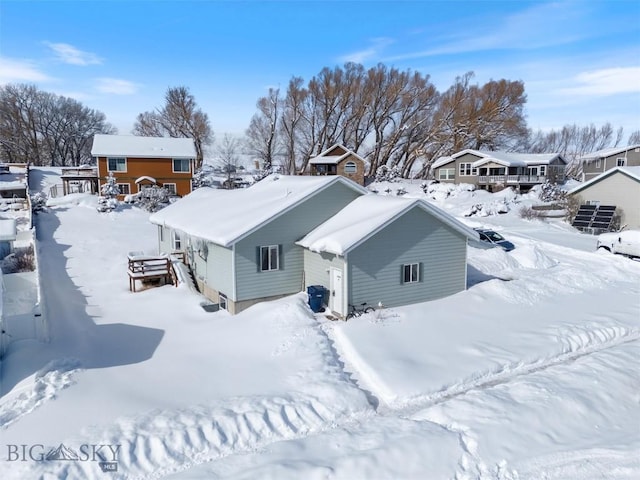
[601, 161]
[619, 187]
[496, 170]
[402, 251]
[241, 244]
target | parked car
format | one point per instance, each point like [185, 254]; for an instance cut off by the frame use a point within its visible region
[494, 239]
[626, 242]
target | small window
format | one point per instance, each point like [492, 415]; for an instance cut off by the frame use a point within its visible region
[222, 300]
[269, 258]
[598, 163]
[177, 242]
[411, 273]
[466, 169]
[171, 187]
[350, 167]
[181, 165]
[125, 188]
[117, 164]
[161, 233]
[543, 170]
[620, 162]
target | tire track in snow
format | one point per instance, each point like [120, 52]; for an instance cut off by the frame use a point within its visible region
[574, 350]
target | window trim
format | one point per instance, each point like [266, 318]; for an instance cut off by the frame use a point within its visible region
[223, 301]
[117, 158]
[176, 242]
[413, 271]
[621, 162]
[128, 192]
[598, 162]
[173, 165]
[269, 249]
[161, 233]
[350, 167]
[466, 169]
[447, 172]
[175, 188]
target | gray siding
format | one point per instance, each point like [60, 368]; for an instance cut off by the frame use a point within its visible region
[374, 267]
[317, 265]
[164, 240]
[590, 168]
[285, 231]
[219, 269]
[617, 189]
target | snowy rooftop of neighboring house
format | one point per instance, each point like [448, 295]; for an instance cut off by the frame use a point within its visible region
[633, 172]
[507, 159]
[13, 185]
[143, 147]
[241, 211]
[8, 229]
[331, 159]
[608, 152]
[350, 227]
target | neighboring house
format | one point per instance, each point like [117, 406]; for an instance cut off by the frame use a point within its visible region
[389, 250]
[496, 170]
[619, 187]
[8, 234]
[601, 161]
[138, 162]
[240, 243]
[338, 160]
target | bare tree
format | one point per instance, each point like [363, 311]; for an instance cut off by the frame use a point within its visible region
[179, 118]
[634, 138]
[262, 134]
[228, 153]
[42, 128]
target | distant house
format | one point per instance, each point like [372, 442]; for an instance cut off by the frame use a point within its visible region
[401, 251]
[496, 170]
[338, 160]
[619, 187]
[139, 162]
[276, 238]
[593, 164]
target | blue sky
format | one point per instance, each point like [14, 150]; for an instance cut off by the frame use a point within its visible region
[580, 60]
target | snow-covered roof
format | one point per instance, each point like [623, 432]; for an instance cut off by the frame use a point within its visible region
[8, 230]
[633, 172]
[242, 211]
[510, 159]
[331, 159]
[324, 157]
[143, 147]
[349, 227]
[441, 161]
[145, 177]
[607, 152]
[16, 185]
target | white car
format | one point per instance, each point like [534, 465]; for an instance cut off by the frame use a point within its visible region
[626, 242]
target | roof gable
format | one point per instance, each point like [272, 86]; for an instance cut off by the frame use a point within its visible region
[142, 147]
[631, 172]
[350, 227]
[244, 210]
[334, 155]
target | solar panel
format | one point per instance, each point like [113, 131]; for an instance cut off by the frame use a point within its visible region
[594, 217]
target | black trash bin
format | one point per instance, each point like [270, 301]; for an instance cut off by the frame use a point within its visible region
[316, 297]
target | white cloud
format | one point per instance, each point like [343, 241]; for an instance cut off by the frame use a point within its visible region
[607, 81]
[70, 54]
[12, 70]
[374, 51]
[116, 86]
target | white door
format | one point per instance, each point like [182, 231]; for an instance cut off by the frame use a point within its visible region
[337, 294]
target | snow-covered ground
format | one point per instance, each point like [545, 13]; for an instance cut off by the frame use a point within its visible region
[531, 373]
